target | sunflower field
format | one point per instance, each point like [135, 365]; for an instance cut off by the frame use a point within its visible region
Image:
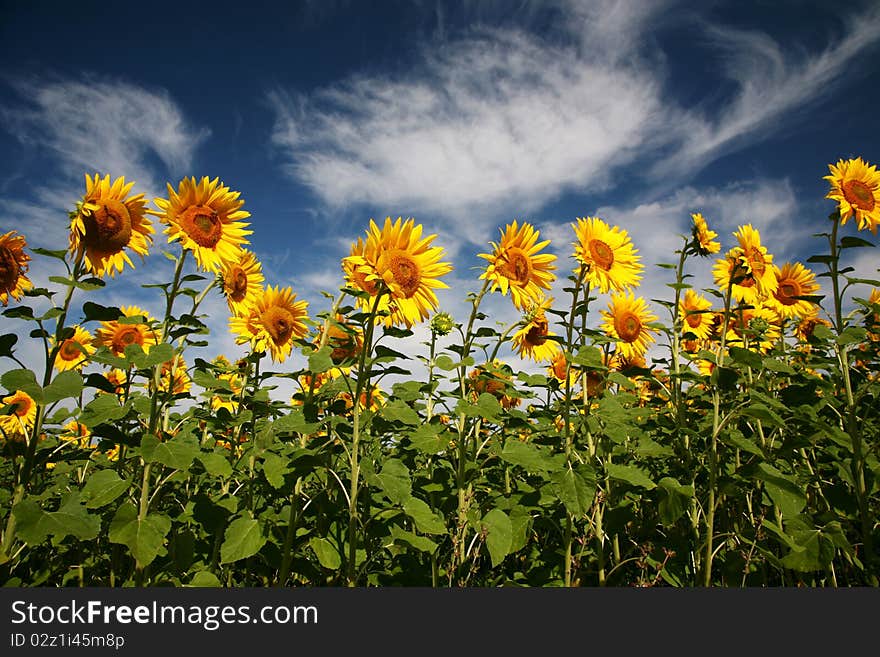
[746, 454]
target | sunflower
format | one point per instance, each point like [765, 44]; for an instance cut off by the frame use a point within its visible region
[241, 281]
[692, 309]
[750, 267]
[872, 317]
[703, 243]
[758, 327]
[608, 255]
[370, 399]
[794, 280]
[804, 329]
[106, 222]
[174, 378]
[205, 217]
[75, 350]
[397, 259]
[13, 266]
[855, 186]
[494, 378]
[344, 339]
[78, 433]
[626, 322]
[531, 341]
[17, 424]
[117, 379]
[558, 366]
[117, 335]
[232, 378]
[274, 321]
[516, 264]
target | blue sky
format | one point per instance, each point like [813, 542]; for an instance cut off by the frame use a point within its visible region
[464, 115]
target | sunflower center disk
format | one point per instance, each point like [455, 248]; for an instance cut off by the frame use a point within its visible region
[787, 291]
[9, 271]
[279, 323]
[108, 229]
[203, 226]
[602, 254]
[628, 326]
[69, 351]
[237, 282]
[126, 336]
[517, 267]
[694, 320]
[537, 335]
[858, 194]
[406, 273]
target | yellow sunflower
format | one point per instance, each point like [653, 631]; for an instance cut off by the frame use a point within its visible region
[117, 335]
[704, 243]
[241, 280]
[794, 280]
[494, 378]
[106, 222]
[873, 318]
[803, 331]
[626, 322]
[77, 433]
[756, 260]
[174, 378]
[373, 395]
[344, 339]
[205, 217]
[531, 341]
[13, 267]
[855, 185]
[757, 327]
[608, 255]
[18, 424]
[516, 264]
[75, 350]
[695, 320]
[399, 260]
[117, 379]
[245, 326]
[558, 366]
[233, 380]
[275, 320]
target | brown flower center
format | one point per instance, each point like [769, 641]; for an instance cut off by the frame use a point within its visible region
[787, 290]
[9, 270]
[858, 194]
[279, 323]
[517, 266]
[537, 334]
[601, 254]
[125, 336]
[108, 229]
[236, 283]
[202, 224]
[628, 325]
[694, 320]
[406, 272]
[69, 351]
[756, 262]
[22, 406]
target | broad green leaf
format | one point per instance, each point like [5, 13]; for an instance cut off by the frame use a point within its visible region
[499, 535]
[102, 409]
[145, 538]
[243, 539]
[103, 487]
[205, 579]
[782, 489]
[294, 422]
[426, 520]
[65, 385]
[275, 467]
[327, 554]
[589, 358]
[674, 499]
[177, 453]
[216, 465]
[421, 543]
[398, 411]
[428, 438]
[630, 474]
[761, 412]
[520, 522]
[320, 361]
[23, 380]
[488, 407]
[72, 518]
[394, 481]
[532, 458]
[31, 523]
[746, 357]
[573, 491]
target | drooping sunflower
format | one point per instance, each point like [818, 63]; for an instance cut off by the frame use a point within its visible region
[205, 217]
[107, 222]
[532, 340]
[13, 267]
[608, 255]
[241, 281]
[371, 398]
[516, 264]
[17, 424]
[75, 350]
[398, 259]
[756, 327]
[626, 322]
[794, 280]
[116, 335]
[855, 185]
[704, 239]
[696, 320]
[279, 319]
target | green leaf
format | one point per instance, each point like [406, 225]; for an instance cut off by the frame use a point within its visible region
[631, 475]
[531, 458]
[746, 357]
[426, 520]
[851, 335]
[145, 538]
[674, 499]
[320, 360]
[761, 412]
[398, 411]
[782, 489]
[499, 535]
[177, 453]
[102, 409]
[421, 543]
[158, 354]
[7, 341]
[428, 438]
[205, 579]
[103, 487]
[590, 358]
[327, 554]
[573, 491]
[294, 422]
[488, 407]
[216, 465]
[394, 481]
[23, 380]
[65, 385]
[849, 242]
[30, 522]
[243, 539]
[275, 467]
[520, 521]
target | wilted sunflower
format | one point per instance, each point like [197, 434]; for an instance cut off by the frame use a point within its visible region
[106, 222]
[695, 320]
[516, 264]
[626, 322]
[794, 280]
[704, 243]
[279, 319]
[400, 260]
[757, 328]
[75, 350]
[241, 280]
[205, 217]
[18, 424]
[608, 255]
[855, 185]
[531, 341]
[13, 267]
[116, 335]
